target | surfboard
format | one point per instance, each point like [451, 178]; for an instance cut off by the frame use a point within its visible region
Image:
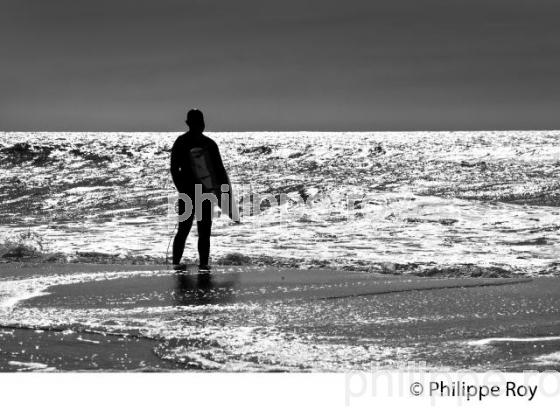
[203, 169]
[205, 174]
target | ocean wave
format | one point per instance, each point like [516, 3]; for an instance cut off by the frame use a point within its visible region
[482, 198]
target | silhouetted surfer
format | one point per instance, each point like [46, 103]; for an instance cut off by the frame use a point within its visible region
[197, 171]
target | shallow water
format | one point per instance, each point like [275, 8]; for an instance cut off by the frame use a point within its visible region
[427, 198]
[218, 323]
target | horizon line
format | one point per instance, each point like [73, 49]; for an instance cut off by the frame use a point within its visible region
[293, 131]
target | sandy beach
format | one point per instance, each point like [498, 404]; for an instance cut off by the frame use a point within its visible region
[60, 317]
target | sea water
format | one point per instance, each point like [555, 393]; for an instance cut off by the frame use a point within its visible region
[419, 201]
[354, 200]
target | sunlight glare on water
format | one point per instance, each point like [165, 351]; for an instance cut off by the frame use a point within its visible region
[486, 198]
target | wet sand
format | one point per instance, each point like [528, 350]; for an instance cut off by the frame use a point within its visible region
[249, 318]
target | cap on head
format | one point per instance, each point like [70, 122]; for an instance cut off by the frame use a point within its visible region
[195, 120]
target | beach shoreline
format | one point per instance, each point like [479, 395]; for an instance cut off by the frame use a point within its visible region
[102, 317]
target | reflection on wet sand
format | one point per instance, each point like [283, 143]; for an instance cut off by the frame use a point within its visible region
[275, 320]
[203, 289]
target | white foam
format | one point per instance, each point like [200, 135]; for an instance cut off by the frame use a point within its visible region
[30, 365]
[81, 339]
[16, 291]
[548, 359]
[493, 340]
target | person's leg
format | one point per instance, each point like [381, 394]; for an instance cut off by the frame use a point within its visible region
[180, 239]
[204, 231]
[184, 227]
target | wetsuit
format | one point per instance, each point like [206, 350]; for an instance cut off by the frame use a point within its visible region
[186, 175]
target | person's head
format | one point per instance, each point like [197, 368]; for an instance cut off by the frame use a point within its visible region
[195, 120]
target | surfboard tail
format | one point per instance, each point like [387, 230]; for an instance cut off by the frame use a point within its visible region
[231, 208]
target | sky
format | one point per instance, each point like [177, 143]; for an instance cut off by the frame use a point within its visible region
[256, 65]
